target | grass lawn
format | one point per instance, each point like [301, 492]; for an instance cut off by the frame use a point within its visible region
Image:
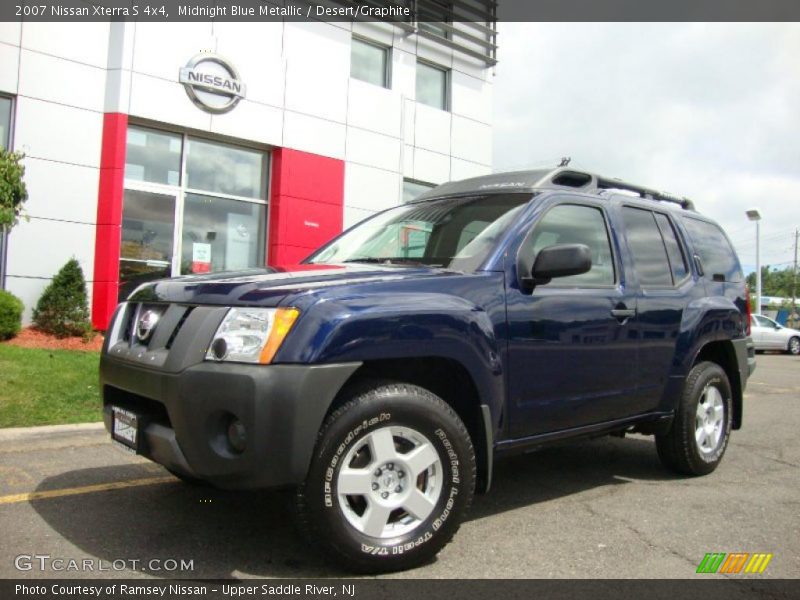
[48, 387]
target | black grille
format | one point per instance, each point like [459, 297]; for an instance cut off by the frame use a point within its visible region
[177, 329]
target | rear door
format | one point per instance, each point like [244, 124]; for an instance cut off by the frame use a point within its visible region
[660, 269]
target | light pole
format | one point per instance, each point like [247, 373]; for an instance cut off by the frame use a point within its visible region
[754, 215]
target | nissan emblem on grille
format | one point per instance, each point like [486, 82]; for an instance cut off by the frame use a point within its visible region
[146, 325]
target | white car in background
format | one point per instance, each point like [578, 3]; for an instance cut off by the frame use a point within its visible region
[769, 335]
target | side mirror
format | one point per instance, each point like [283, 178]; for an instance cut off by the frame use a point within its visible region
[561, 260]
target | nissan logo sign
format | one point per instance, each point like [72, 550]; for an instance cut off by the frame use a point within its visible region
[212, 83]
[147, 323]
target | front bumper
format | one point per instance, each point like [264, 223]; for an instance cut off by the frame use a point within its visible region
[184, 416]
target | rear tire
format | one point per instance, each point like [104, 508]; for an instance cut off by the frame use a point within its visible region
[793, 347]
[696, 442]
[407, 459]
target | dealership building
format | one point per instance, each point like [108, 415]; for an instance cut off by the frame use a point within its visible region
[162, 149]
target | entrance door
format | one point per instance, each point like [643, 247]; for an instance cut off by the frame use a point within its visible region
[148, 238]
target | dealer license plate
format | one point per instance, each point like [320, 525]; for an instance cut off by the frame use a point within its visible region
[125, 428]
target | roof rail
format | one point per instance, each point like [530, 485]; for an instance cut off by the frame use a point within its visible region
[565, 177]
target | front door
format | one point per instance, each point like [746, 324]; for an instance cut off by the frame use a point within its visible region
[572, 342]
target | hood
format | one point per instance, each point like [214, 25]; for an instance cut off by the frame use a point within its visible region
[271, 285]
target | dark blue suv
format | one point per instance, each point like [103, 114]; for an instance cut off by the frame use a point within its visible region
[383, 376]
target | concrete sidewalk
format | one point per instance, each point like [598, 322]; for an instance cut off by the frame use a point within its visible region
[10, 434]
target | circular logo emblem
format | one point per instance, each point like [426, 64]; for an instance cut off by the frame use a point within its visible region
[146, 325]
[212, 83]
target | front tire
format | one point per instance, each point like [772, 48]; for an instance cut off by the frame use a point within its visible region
[391, 478]
[793, 347]
[696, 442]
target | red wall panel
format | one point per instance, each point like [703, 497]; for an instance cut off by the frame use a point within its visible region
[105, 287]
[306, 204]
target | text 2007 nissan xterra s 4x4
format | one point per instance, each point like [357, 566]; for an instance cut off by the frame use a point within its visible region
[384, 375]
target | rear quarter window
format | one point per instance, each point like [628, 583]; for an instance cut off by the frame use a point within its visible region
[715, 251]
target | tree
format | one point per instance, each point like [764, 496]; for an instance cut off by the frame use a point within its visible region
[13, 195]
[63, 309]
[774, 282]
[13, 192]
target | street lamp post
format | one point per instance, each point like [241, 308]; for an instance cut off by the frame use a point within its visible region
[755, 215]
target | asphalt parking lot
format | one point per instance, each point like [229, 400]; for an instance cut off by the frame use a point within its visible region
[601, 508]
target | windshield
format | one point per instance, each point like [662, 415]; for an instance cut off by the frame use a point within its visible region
[455, 233]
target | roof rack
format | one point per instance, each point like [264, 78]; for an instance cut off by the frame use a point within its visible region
[565, 177]
[558, 178]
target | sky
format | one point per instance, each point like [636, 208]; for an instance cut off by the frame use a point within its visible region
[706, 111]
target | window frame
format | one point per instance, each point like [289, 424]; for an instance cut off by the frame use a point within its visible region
[609, 235]
[387, 71]
[681, 244]
[447, 107]
[11, 118]
[181, 190]
[687, 263]
[12, 113]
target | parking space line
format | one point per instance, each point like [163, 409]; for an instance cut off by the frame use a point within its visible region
[86, 489]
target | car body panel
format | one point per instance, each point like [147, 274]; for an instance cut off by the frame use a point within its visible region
[769, 335]
[546, 363]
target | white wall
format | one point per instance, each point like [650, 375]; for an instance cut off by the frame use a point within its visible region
[299, 95]
[58, 74]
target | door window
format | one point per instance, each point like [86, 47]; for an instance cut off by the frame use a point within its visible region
[147, 245]
[765, 322]
[677, 260]
[647, 248]
[575, 224]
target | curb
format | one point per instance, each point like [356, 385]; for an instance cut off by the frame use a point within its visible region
[19, 433]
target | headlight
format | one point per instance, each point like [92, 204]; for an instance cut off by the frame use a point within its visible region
[251, 335]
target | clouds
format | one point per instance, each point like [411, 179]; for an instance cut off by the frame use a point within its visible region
[708, 111]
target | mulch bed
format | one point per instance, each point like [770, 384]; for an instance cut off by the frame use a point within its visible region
[33, 338]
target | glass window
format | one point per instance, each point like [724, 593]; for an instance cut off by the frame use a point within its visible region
[221, 234]
[153, 156]
[432, 86]
[677, 261]
[369, 62]
[716, 254]
[214, 167]
[5, 122]
[647, 248]
[207, 215]
[451, 232]
[765, 322]
[432, 13]
[148, 227]
[575, 224]
[413, 189]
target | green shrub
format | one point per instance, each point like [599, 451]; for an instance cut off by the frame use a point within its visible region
[10, 315]
[13, 192]
[63, 308]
